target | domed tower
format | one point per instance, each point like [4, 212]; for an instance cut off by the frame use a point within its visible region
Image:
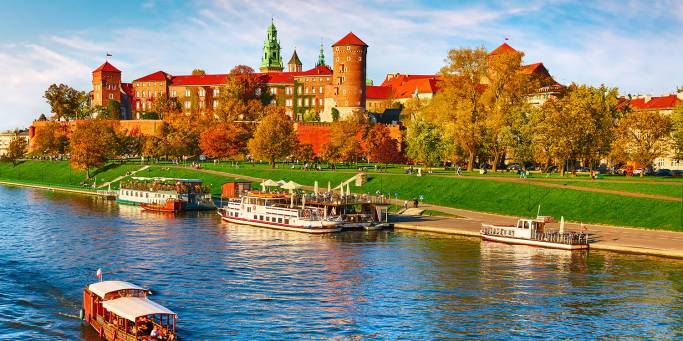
[347, 91]
[272, 60]
[294, 64]
[106, 85]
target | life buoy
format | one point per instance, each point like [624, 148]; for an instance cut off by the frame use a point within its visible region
[253, 208]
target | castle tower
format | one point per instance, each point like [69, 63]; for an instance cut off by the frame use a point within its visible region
[294, 64]
[321, 57]
[106, 84]
[347, 91]
[272, 60]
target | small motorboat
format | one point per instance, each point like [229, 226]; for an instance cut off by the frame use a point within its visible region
[170, 206]
[121, 311]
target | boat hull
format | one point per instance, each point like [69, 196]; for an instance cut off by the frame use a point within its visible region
[314, 230]
[531, 242]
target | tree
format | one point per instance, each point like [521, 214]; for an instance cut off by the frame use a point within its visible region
[111, 112]
[181, 135]
[311, 115]
[345, 136]
[274, 138]
[198, 72]
[677, 130]
[16, 148]
[335, 114]
[50, 140]
[224, 140]
[303, 152]
[460, 103]
[65, 101]
[245, 85]
[425, 141]
[127, 144]
[92, 144]
[381, 147]
[643, 136]
[163, 106]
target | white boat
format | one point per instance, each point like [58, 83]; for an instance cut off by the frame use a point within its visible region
[533, 232]
[277, 211]
[189, 194]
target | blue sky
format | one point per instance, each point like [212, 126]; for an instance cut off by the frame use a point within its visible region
[633, 45]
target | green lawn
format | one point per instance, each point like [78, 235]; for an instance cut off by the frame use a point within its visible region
[670, 190]
[460, 192]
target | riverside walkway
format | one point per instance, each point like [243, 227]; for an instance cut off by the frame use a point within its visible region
[602, 237]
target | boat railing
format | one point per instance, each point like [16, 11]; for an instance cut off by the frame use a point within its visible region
[498, 231]
[569, 238]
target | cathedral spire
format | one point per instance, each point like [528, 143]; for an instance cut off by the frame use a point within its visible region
[271, 60]
[321, 56]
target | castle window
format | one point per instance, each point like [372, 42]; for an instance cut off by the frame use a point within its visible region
[313, 89]
[337, 48]
[202, 92]
[216, 92]
[337, 58]
[298, 102]
[273, 91]
[215, 104]
[360, 59]
[306, 91]
[187, 104]
[348, 59]
[173, 93]
[306, 102]
[137, 94]
[344, 91]
[187, 92]
[320, 89]
[300, 89]
[288, 102]
[137, 105]
[156, 93]
[201, 104]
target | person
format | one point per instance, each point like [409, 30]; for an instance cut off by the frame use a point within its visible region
[459, 171]
[405, 204]
[154, 334]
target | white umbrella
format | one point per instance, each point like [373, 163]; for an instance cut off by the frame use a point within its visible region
[291, 186]
[315, 187]
[562, 224]
[270, 183]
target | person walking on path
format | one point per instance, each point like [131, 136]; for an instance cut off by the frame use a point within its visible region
[459, 171]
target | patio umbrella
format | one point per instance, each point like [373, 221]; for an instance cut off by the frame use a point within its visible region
[562, 224]
[291, 186]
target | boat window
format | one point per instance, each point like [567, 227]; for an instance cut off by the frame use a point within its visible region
[267, 218]
[237, 214]
[261, 218]
[279, 220]
[248, 209]
[255, 217]
[286, 221]
[526, 224]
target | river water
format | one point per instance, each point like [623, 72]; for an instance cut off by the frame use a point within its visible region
[239, 282]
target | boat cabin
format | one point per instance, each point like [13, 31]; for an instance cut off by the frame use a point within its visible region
[121, 311]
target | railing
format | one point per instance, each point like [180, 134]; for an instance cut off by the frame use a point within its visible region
[568, 238]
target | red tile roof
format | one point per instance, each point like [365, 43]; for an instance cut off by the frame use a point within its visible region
[378, 92]
[157, 76]
[503, 48]
[350, 39]
[322, 70]
[199, 79]
[404, 86]
[661, 102]
[107, 68]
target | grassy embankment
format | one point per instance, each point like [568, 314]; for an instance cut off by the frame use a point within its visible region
[510, 198]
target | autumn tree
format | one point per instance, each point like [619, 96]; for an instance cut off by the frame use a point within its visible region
[381, 147]
[243, 96]
[16, 148]
[224, 140]
[198, 72]
[274, 138]
[181, 135]
[164, 106]
[460, 103]
[65, 101]
[92, 144]
[126, 144]
[677, 130]
[643, 136]
[303, 152]
[50, 140]
[345, 136]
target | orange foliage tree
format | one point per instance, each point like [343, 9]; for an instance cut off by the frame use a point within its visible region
[381, 147]
[224, 140]
[274, 137]
[92, 144]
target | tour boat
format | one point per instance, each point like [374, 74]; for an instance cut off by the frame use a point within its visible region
[121, 311]
[277, 211]
[170, 206]
[155, 194]
[353, 212]
[533, 232]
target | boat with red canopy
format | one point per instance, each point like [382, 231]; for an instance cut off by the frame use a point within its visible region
[121, 311]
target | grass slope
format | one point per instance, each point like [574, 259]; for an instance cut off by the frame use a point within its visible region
[58, 173]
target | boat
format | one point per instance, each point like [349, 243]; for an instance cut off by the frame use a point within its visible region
[170, 206]
[155, 194]
[533, 232]
[121, 311]
[353, 212]
[277, 211]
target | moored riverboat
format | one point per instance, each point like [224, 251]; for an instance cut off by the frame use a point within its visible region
[534, 232]
[165, 194]
[277, 211]
[121, 311]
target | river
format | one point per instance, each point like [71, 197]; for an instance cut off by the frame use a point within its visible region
[239, 282]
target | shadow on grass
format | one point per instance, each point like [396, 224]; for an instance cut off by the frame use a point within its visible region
[104, 169]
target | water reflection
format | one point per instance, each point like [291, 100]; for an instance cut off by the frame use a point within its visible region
[239, 282]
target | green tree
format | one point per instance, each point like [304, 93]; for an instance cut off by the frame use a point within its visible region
[425, 141]
[677, 130]
[274, 138]
[65, 101]
[335, 114]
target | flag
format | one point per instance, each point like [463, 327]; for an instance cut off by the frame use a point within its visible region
[506, 38]
[99, 274]
[108, 54]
